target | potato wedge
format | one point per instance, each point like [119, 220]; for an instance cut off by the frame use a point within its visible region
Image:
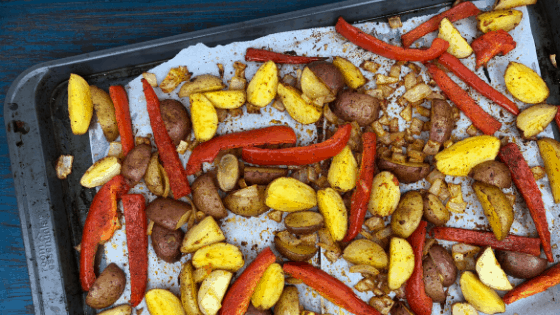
[508, 4]
[262, 87]
[462, 156]
[458, 46]
[463, 309]
[156, 178]
[534, 119]
[200, 84]
[248, 201]
[269, 288]
[444, 264]
[206, 232]
[479, 295]
[206, 197]
[204, 117]
[499, 20]
[227, 99]
[163, 302]
[385, 194]
[358, 107]
[492, 173]
[490, 272]
[433, 282]
[497, 208]
[168, 212]
[80, 105]
[406, 172]
[101, 172]
[212, 291]
[525, 84]
[167, 243]
[288, 304]
[434, 210]
[313, 87]
[366, 252]
[219, 256]
[333, 210]
[300, 110]
[189, 290]
[328, 74]
[343, 171]
[118, 310]
[550, 153]
[289, 194]
[401, 262]
[228, 172]
[107, 288]
[353, 77]
[105, 111]
[408, 215]
[304, 222]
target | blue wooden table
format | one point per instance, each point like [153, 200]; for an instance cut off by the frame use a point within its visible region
[35, 31]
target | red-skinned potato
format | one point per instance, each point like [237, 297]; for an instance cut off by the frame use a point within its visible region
[406, 172]
[176, 120]
[328, 74]
[107, 288]
[521, 265]
[206, 197]
[353, 106]
[167, 243]
[492, 173]
[442, 122]
[136, 163]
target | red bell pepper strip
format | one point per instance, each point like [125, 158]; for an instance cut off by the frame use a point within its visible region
[514, 243]
[418, 300]
[368, 42]
[207, 151]
[238, 297]
[480, 119]
[469, 77]
[525, 181]
[456, 13]
[300, 155]
[169, 156]
[329, 287]
[262, 55]
[122, 113]
[137, 243]
[557, 118]
[490, 44]
[538, 284]
[101, 222]
[360, 197]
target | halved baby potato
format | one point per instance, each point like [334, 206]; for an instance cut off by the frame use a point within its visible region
[289, 194]
[212, 291]
[161, 301]
[508, 4]
[227, 99]
[352, 74]
[490, 272]
[304, 222]
[408, 215]
[101, 172]
[293, 248]
[401, 262]
[497, 208]
[499, 20]
[206, 232]
[366, 252]
[406, 172]
[313, 87]
[479, 295]
[200, 84]
[269, 288]
[204, 117]
[333, 210]
[219, 256]
[248, 201]
[385, 194]
[550, 153]
[300, 110]
[525, 84]
[458, 46]
[343, 170]
[534, 119]
[80, 104]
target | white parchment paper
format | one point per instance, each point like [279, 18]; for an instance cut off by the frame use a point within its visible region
[254, 234]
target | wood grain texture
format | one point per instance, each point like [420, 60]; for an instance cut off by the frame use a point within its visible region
[36, 31]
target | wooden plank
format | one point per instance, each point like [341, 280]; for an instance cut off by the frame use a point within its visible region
[35, 31]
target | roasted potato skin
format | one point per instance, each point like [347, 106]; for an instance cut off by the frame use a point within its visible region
[167, 212]
[432, 281]
[300, 252]
[406, 218]
[353, 106]
[442, 122]
[521, 265]
[176, 120]
[136, 163]
[206, 197]
[105, 111]
[497, 208]
[248, 201]
[434, 210]
[328, 74]
[405, 172]
[444, 263]
[492, 173]
[107, 288]
[550, 153]
[263, 175]
[167, 243]
[304, 222]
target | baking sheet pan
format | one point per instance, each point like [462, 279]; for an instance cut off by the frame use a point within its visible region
[52, 211]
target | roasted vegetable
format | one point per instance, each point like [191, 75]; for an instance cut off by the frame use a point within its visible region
[248, 201]
[521, 265]
[219, 256]
[101, 172]
[434, 210]
[353, 77]
[169, 213]
[206, 232]
[80, 105]
[550, 153]
[107, 288]
[166, 243]
[406, 172]
[304, 222]
[289, 194]
[343, 171]
[204, 117]
[200, 84]
[497, 208]
[298, 108]
[105, 112]
[525, 84]
[353, 106]
[458, 46]
[401, 262]
[490, 272]
[499, 20]
[492, 173]
[442, 121]
[406, 218]
[136, 163]
[534, 119]
[479, 295]
[189, 290]
[176, 119]
[385, 194]
[462, 156]
[333, 210]
[212, 291]
[163, 302]
[228, 172]
[269, 288]
[206, 197]
[293, 248]
[262, 88]
[366, 252]
[262, 175]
